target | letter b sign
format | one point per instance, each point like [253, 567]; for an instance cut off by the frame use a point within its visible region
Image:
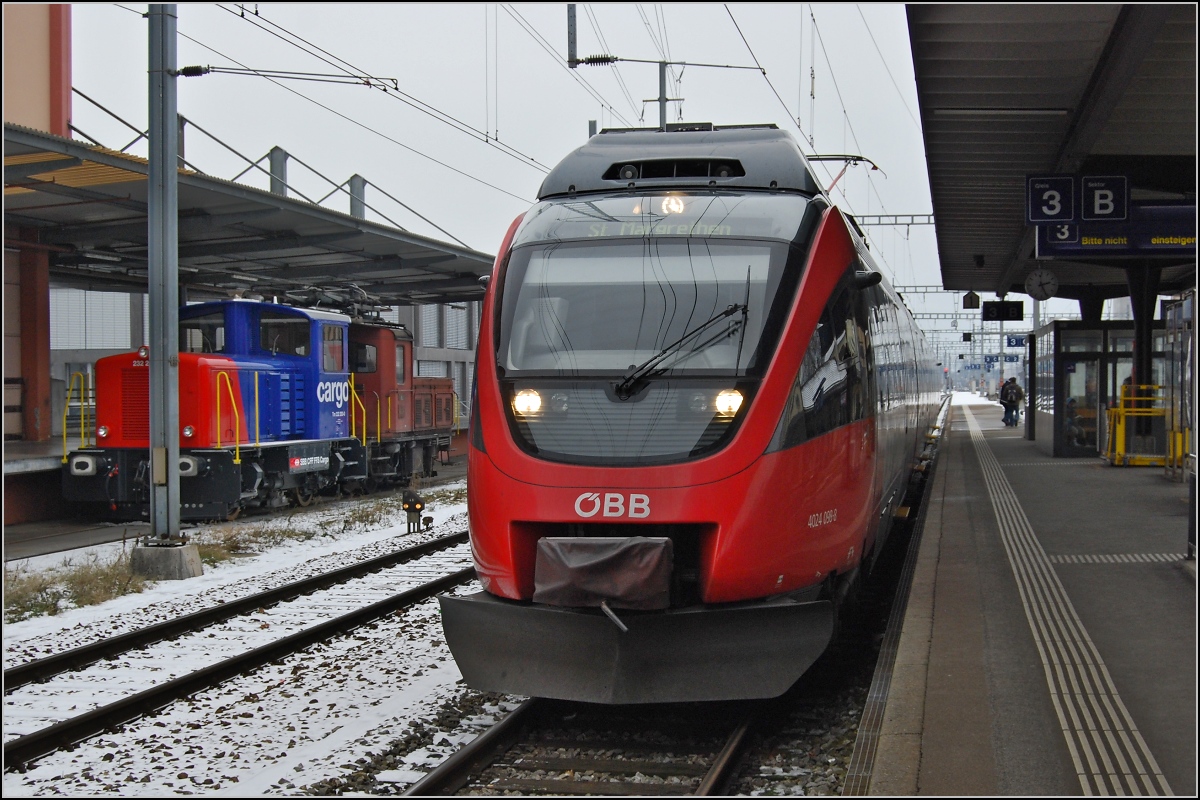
[1105, 198]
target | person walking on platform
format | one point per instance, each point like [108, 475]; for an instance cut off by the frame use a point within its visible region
[1011, 395]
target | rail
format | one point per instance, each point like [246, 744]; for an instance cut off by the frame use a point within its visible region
[237, 418]
[83, 419]
[1124, 447]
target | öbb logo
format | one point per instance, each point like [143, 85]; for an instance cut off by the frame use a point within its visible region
[337, 392]
[589, 504]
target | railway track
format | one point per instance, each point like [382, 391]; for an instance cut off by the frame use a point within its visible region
[42, 669]
[554, 748]
[818, 738]
[19, 752]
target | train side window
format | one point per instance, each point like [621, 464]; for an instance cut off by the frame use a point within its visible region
[332, 349]
[829, 390]
[400, 363]
[204, 334]
[364, 357]
[280, 333]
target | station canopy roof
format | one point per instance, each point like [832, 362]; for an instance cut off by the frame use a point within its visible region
[89, 207]
[1009, 91]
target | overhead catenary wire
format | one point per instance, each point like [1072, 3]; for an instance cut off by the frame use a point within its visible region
[595, 23]
[395, 93]
[366, 127]
[888, 69]
[541, 41]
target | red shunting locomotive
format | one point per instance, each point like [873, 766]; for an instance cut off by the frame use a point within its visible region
[698, 406]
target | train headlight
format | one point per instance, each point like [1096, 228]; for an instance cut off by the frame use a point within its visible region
[188, 431]
[102, 431]
[527, 403]
[698, 402]
[728, 402]
[143, 352]
[559, 402]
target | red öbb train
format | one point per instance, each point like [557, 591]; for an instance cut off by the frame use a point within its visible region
[698, 407]
[276, 404]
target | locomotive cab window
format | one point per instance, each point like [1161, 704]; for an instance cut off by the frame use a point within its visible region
[364, 357]
[283, 334]
[203, 334]
[332, 349]
[831, 388]
[400, 363]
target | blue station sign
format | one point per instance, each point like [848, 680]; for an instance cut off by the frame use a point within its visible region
[1061, 199]
[1049, 198]
[1015, 341]
[1151, 230]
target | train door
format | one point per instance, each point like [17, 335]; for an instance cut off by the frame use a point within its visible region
[333, 385]
[402, 391]
[370, 377]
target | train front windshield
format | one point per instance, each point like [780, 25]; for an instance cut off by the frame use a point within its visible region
[636, 314]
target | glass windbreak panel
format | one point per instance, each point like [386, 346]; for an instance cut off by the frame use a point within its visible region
[708, 215]
[606, 307]
[1160, 341]
[363, 357]
[1119, 372]
[1044, 365]
[1080, 341]
[203, 334]
[1120, 341]
[1081, 403]
[331, 348]
[281, 333]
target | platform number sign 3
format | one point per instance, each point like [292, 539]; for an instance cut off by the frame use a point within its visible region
[1050, 199]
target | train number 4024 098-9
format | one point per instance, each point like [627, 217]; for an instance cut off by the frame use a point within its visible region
[822, 518]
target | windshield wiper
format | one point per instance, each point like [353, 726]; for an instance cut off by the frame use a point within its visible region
[624, 389]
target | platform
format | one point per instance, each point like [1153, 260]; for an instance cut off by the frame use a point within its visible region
[1049, 642]
[25, 457]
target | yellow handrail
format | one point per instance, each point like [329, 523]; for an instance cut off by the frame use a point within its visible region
[355, 399]
[82, 412]
[237, 418]
[457, 415]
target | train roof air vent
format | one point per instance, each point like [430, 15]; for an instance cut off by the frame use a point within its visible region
[675, 168]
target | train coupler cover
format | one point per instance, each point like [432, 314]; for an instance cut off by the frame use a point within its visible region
[632, 572]
[738, 651]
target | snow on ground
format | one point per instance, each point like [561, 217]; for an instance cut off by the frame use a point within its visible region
[234, 575]
[312, 716]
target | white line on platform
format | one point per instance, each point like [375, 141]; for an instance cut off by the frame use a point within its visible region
[1095, 723]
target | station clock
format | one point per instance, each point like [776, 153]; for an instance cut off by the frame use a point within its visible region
[1041, 284]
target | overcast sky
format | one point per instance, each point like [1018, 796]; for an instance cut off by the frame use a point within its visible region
[498, 70]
